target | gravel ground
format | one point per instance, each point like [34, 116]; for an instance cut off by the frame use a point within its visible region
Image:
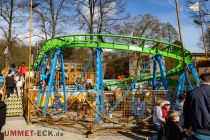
[37, 132]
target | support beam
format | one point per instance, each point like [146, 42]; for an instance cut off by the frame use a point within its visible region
[42, 78]
[99, 85]
[179, 87]
[133, 83]
[51, 58]
[51, 82]
[194, 73]
[188, 80]
[154, 76]
[63, 80]
[86, 68]
[183, 83]
[159, 58]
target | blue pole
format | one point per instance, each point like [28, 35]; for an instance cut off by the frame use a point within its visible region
[63, 81]
[128, 91]
[194, 73]
[191, 87]
[41, 79]
[154, 76]
[51, 58]
[51, 81]
[101, 81]
[179, 87]
[83, 74]
[158, 58]
[86, 68]
[99, 85]
[183, 84]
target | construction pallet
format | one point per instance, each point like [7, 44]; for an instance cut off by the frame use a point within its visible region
[14, 106]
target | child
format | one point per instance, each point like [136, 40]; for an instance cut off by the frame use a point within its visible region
[173, 131]
[19, 85]
[165, 110]
[158, 119]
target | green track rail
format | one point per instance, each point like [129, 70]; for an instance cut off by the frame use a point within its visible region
[118, 42]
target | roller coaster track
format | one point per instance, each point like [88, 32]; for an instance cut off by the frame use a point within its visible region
[118, 42]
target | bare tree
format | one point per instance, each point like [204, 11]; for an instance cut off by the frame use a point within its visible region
[10, 19]
[145, 26]
[97, 16]
[7, 16]
[51, 17]
[169, 33]
[207, 37]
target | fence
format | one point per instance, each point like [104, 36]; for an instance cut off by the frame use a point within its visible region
[133, 112]
[71, 78]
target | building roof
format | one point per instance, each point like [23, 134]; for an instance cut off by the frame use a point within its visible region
[200, 54]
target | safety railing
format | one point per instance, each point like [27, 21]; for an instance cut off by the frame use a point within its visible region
[133, 112]
[71, 78]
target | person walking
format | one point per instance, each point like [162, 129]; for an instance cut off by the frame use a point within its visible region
[158, 119]
[22, 69]
[2, 113]
[197, 109]
[10, 84]
[19, 85]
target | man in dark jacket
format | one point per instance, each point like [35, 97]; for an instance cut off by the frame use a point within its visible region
[2, 113]
[10, 84]
[197, 109]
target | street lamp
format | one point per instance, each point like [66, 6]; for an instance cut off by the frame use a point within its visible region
[30, 35]
[203, 35]
[32, 5]
[196, 8]
[29, 60]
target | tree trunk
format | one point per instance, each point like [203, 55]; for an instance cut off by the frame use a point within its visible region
[9, 37]
[53, 24]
